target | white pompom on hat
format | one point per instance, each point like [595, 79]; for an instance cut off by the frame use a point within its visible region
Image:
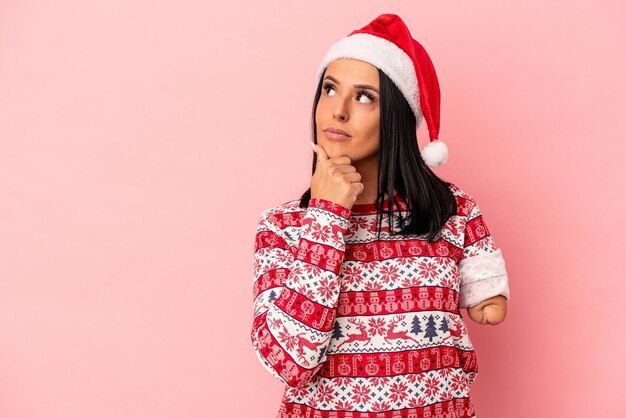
[386, 43]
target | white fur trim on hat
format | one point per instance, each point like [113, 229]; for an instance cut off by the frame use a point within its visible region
[383, 54]
[435, 153]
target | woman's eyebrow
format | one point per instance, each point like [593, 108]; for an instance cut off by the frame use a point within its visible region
[360, 86]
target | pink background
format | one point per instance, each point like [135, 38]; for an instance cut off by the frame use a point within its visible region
[140, 141]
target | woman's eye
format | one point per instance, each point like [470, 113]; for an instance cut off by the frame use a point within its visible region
[369, 96]
[328, 86]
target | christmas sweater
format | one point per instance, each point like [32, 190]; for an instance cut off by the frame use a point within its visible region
[357, 326]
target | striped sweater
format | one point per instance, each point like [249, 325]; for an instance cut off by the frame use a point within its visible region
[357, 326]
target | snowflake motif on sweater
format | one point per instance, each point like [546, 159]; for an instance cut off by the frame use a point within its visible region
[357, 326]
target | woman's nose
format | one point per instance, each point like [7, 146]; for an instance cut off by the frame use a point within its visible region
[342, 109]
[341, 113]
[341, 116]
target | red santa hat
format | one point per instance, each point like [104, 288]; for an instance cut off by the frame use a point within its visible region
[386, 43]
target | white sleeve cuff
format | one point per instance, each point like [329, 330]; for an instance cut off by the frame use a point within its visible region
[482, 277]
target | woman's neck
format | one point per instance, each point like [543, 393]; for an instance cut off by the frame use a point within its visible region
[368, 169]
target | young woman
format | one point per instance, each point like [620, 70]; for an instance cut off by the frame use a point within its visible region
[359, 283]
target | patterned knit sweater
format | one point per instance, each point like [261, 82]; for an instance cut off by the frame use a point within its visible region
[357, 326]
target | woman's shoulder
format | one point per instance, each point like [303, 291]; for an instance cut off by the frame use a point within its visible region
[456, 190]
[465, 202]
[460, 193]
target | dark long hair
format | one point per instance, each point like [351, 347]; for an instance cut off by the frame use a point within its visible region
[429, 201]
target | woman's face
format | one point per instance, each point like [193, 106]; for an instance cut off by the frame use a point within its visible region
[349, 101]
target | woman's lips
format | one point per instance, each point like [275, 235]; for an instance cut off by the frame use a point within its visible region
[336, 136]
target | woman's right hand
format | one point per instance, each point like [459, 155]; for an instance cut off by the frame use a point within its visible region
[335, 179]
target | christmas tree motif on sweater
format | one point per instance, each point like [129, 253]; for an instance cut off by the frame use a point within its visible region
[415, 327]
[337, 334]
[431, 329]
[272, 296]
[444, 325]
[321, 356]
